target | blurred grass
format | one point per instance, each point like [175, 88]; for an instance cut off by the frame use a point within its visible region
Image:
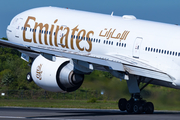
[99, 104]
[88, 96]
[60, 104]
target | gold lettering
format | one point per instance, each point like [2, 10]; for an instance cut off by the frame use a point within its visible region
[51, 33]
[108, 34]
[122, 36]
[89, 41]
[73, 32]
[126, 35]
[118, 36]
[66, 38]
[40, 25]
[112, 34]
[78, 40]
[100, 34]
[56, 33]
[25, 26]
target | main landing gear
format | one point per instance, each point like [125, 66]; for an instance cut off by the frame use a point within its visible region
[136, 104]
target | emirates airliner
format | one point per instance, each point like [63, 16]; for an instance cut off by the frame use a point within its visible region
[66, 44]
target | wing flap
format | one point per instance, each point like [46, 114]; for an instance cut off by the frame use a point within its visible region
[139, 67]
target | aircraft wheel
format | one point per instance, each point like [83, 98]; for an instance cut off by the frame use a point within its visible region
[122, 104]
[137, 107]
[149, 108]
[129, 106]
[29, 77]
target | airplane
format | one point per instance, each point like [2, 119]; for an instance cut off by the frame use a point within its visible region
[65, 44]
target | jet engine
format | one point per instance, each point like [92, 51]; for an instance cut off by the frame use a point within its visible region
[56, 76]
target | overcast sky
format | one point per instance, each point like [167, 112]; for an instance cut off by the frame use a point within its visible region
[167, 11]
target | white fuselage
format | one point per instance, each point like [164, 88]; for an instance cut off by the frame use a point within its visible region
[141, 46]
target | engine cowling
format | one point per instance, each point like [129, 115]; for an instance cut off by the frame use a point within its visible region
[56, 76]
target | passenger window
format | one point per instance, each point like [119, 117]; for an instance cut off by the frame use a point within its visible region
[167, 52]
[176, 54]
[156, 50]
[151, 49]
[124, 45]
[159, 50]
[164, 51]
[117, 44]
[173, 53]
[170, 52]
[111, 43]
[146, 49]
[104, 41]
[91, 39]
[94, 39]
[99, 40]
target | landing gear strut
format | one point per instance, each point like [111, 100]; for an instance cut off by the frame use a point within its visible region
[136, 104]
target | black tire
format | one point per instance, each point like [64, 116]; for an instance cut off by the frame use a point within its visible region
[149, 108]
[122, 104]
[29, 77]
[129, 107]
[137, 108]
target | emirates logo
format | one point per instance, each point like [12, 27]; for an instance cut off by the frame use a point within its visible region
[39, 72]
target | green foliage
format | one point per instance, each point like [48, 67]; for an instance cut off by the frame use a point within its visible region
[7, 77]
[13, 70]
[92, 100]
[4, 38]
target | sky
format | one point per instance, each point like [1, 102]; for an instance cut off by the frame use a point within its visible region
[167, 11]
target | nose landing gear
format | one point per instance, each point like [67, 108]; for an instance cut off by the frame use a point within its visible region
[29, 77]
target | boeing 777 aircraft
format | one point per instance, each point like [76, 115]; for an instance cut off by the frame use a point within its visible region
[66, 44]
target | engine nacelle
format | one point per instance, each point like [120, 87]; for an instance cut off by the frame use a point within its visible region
[56, 76]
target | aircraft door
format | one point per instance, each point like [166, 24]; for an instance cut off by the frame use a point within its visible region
[136, 47]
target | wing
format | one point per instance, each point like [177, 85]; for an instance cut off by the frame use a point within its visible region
[113, 62]
[16, 46]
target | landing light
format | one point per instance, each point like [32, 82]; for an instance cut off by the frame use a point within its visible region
[2, 94]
